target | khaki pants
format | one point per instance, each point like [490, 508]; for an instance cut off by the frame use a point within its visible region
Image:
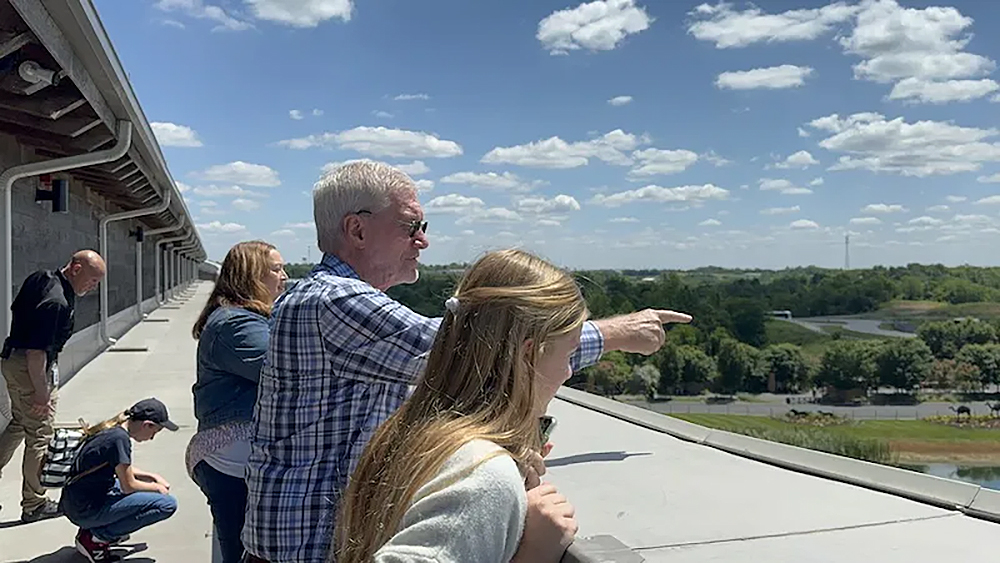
[25, 425]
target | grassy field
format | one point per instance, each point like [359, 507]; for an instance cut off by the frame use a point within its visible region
[911, 441]
[921, 311]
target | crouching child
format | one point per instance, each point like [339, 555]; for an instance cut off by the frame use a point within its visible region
[107, 496]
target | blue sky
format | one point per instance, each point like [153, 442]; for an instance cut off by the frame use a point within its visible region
[608, 134]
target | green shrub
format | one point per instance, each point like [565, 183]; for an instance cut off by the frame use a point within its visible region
[866, 449]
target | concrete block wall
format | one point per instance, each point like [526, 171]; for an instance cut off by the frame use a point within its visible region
[46, 240]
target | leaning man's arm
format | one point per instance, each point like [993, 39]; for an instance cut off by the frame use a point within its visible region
[591, 347]
[385, 332]
[47, 325]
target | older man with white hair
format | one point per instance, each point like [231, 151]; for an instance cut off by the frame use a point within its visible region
[342, 354]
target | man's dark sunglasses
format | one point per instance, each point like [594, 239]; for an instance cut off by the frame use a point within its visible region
[412, 226]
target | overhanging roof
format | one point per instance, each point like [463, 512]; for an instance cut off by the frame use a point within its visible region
[78, 112]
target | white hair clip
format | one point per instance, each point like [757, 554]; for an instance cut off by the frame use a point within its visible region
[452, 305]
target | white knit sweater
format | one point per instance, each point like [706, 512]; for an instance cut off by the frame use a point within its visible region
[470, 512]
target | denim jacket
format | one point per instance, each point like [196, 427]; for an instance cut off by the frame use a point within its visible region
[231, 353]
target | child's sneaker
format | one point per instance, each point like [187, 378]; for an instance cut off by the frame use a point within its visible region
[93, 550]
[120, 540]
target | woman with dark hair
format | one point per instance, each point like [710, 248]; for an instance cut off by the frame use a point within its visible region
[232, 334]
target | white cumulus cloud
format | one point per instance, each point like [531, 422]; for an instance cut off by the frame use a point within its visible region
[773, 78]
[410, 97]
[453, 204]
[652, 162]
[415, 168]
[780, 210]
[489, 180]
[620, 100]
[729, 28]
[922, 49]
[380, 142]
[216, 227]
[222, 191]
[557, 153]
[993, 179]
[784, 186]
[301, 13]
[245, 204]
[883, 208]
[240, 172]
[597, 26]
[802, 159]
[870, 142]
[804, 224]
[710, 223]
[296, 114]
[658, 194]
[200, 10]
[173, 135]
[866, 221]
[539, 205]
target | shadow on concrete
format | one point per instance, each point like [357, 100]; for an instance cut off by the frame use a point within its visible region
[19, 522]
[12, 524]
[591, 457]
[69, 554]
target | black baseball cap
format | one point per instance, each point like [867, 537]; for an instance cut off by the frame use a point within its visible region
[154, 411]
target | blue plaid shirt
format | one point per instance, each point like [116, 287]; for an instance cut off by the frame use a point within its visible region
[340, 360]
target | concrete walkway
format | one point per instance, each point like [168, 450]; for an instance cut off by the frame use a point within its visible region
[103, 388]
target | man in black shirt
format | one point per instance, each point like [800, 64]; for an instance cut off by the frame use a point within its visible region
[42, 322]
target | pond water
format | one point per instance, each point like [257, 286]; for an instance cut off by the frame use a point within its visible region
[988, 477]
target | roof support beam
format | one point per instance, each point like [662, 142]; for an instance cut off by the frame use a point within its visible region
[49, 107]
[66, 127]
[48, 33]
[10, 43]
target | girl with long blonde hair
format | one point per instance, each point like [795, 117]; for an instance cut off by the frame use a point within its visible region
[443, 478]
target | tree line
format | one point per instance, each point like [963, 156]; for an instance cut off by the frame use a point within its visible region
[959, 355]
[726, 348]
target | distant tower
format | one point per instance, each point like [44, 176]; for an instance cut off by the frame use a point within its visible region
[847, 252]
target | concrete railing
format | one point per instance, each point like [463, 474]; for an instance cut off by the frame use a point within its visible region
[600, 549]
[967, 498]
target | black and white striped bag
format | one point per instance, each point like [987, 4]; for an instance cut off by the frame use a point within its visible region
[58, 461]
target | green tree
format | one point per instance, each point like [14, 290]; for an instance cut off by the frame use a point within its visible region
[684, 335]
[715, 340]
[685, 370]
[946, 338]
[986, 358]
[747, 320]
[788, 366]
[962, 291]
[668, 362]
[739, 368]
[643, 380]
[848, 364]
[903, 363]
[608, 377]
[912, 288]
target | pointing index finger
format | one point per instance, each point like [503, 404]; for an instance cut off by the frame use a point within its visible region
[667, 317]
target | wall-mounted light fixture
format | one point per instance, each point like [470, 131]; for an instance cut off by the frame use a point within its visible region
[55, 190]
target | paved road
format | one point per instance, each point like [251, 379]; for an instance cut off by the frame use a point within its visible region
[866, 326]
[867, 412]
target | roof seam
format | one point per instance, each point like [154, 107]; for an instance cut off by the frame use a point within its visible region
[799, 533]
